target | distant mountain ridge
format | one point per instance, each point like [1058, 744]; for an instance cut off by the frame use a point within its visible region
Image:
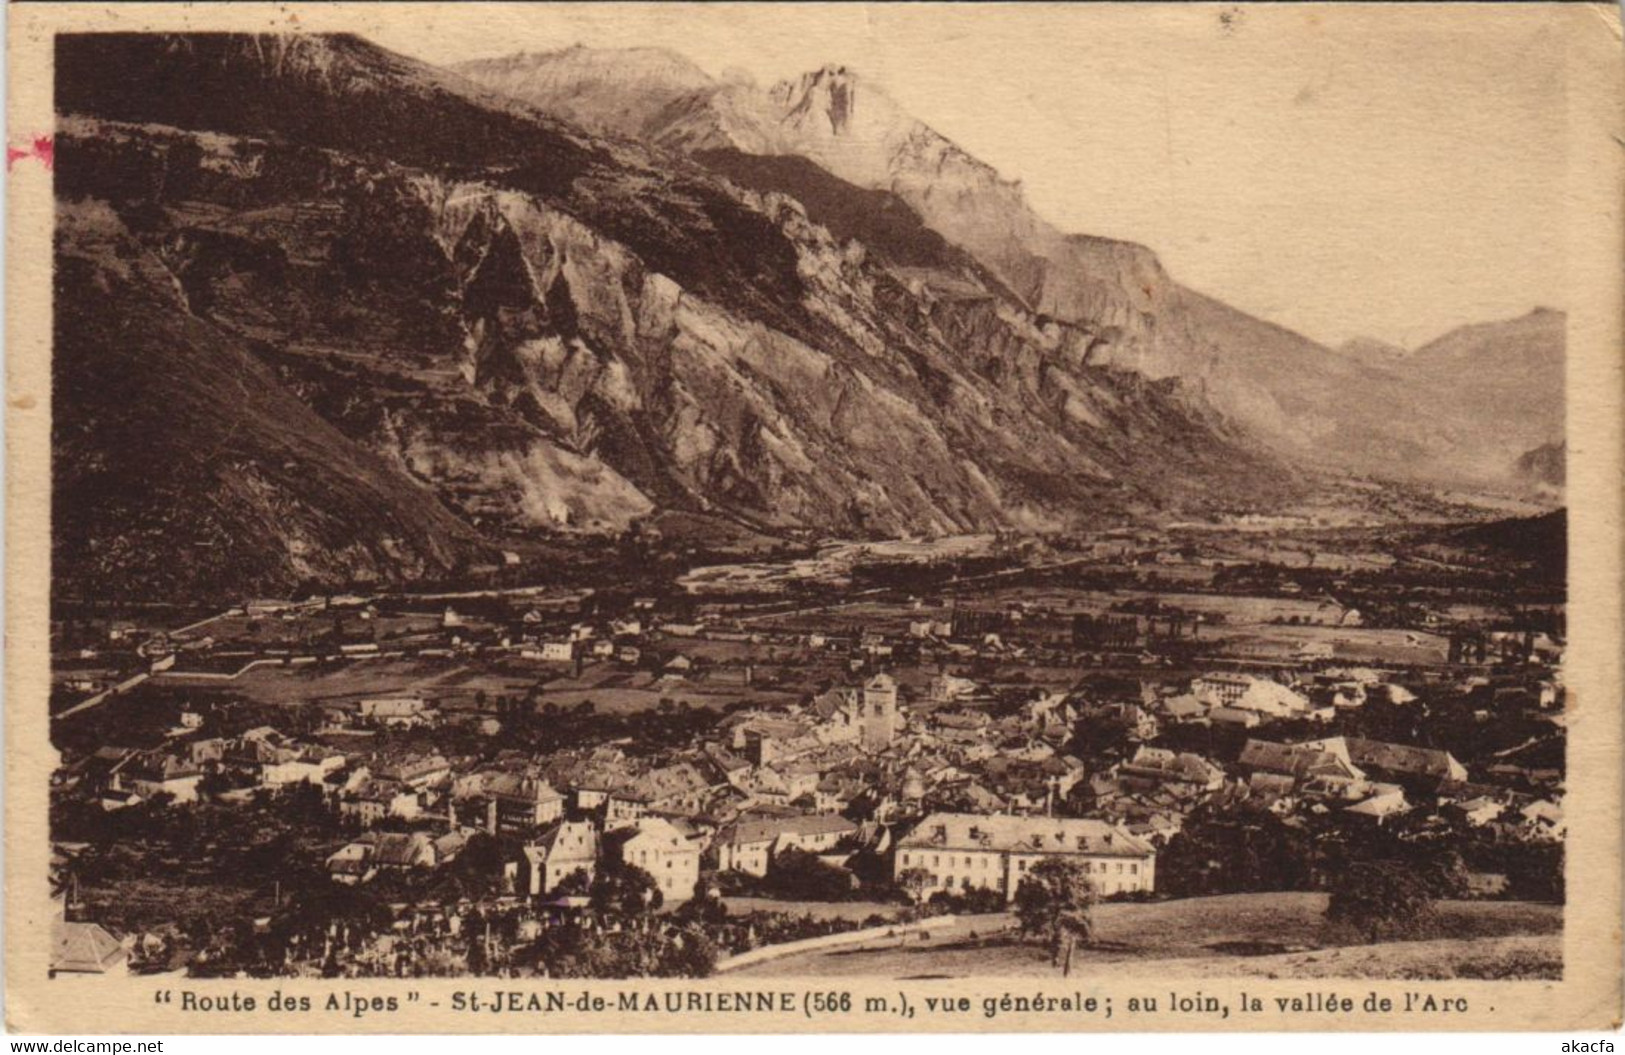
[1365, 407]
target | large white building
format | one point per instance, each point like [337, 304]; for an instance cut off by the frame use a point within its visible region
[965, 851]
[1222, 688]
[657, 847]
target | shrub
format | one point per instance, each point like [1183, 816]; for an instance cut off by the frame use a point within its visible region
[1382, 900]
[975, 901]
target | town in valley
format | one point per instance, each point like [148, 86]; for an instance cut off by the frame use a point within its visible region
[714, 766]
[585, 513]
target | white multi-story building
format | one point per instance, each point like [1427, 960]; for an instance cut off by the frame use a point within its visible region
[1221, 689]
[965, 851]
[558, 651]
[657, 847]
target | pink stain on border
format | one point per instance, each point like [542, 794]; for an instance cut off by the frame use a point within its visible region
[43, 148]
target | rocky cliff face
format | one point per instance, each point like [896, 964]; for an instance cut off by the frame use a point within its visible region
[1358, 408]
[851, 128]
[495, 324]
[183, 468]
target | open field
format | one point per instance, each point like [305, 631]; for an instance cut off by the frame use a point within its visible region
[1515, 956]
[632, 699]
[1231, 934]
[1244, 625]
[454, 684]
[1349, 644]
[1236, 609]
[830, 565]
[346, 681]
[293, 626]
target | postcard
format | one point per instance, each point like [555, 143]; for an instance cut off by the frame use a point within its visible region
[750, 517]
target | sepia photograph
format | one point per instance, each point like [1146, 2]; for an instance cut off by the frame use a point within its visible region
[1043, 494]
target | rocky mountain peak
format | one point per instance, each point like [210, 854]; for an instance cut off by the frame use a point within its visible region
[606, 90]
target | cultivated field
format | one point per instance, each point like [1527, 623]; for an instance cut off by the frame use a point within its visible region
[345, 681]
[621, 691]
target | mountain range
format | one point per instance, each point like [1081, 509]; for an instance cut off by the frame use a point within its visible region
[333, 314]
[327, 314]
[1365, 407]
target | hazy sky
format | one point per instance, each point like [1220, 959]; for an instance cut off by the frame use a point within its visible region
[1343, 170]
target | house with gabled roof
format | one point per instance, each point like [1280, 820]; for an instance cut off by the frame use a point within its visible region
[403, 850]
[1156, 767]
[1301, 762]
[1232, 716]
[1184, 708]
[1478, 810]
[561, 851]
[1542, 821]
[361, 858]
[1402, 762]
[372, 800]
[679, 787]
[415, 770]
[752, 842]
[1386, 800]
[304, 764]
[518, 801]
[153, 773]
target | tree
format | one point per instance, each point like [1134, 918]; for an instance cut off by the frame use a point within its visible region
[572, 951]
[213, 784]
[704, 909]
[801, 876]
[1056, 901]
[913, 881]
[1447, 874]
[1098, 736]
[478, 961]
[1234, 849]
[688, 953]
[620, 889]
[479, 868]
[1534, 870]
[1381, 898]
